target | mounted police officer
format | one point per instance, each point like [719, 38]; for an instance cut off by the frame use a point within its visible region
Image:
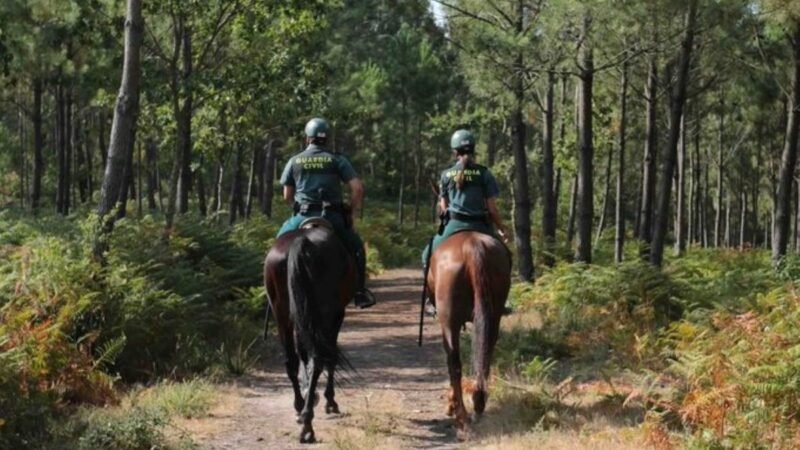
[312, 184]
[467, 196]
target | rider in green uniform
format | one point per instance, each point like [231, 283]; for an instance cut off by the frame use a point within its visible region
[312, 184]
[467, 195]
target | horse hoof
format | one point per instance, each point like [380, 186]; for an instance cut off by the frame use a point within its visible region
[475, 417]
[332, 409]
[308, 438]
[462, 434]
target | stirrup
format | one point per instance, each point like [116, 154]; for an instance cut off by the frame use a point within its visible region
[364, 299]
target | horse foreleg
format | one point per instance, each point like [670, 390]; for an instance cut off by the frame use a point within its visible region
[456, 403]
[307, 415]
[331, 407]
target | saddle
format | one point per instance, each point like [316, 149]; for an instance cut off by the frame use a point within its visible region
[316, 222]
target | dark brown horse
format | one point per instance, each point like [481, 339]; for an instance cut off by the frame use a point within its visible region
[310, 278]
[469, 279]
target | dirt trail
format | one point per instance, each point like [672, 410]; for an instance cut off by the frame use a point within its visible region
[396, 400]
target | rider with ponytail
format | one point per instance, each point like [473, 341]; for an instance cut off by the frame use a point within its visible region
[467, 195]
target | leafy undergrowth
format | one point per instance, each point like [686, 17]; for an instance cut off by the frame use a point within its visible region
[72, 332]
[704, 352]
[164, 307]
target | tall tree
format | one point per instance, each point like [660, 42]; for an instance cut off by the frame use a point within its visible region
[677, 101]
[124, 125]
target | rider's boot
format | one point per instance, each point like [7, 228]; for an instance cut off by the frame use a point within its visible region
[363, 297]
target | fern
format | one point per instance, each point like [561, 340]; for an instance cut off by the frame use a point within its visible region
[109, 352]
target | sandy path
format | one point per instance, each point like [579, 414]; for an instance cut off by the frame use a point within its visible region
[396, 400]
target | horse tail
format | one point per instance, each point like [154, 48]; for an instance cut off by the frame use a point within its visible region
[313, 334]
[485, 332]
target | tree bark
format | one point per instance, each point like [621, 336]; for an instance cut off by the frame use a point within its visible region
[122, 129]
[650, 159]
[549, 212]
[151, 156]
[677, 105]
[251, 182]
[184, 122]
[201, 187]
[585, 213]
[680, 207]
[522, 204]
[270, 155]
[236, 186]
[38, 145]
[68, 152]
[788, 158]
[61, 150]
[743, 221]
[601, 225]
[720, 179]
[573, 206]
[619, 241]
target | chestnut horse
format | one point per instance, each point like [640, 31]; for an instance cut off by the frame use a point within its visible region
[310, 278]
[469, 279]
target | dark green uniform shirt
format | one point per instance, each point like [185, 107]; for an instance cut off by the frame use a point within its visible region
[479, 185]
[317, 174]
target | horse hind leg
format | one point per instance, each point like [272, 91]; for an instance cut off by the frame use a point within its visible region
[331, 407]
[481, 393]
[292, 363]
[456, 400]
[307, 414]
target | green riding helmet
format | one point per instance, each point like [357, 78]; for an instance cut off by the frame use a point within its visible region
[317, 128]
[462, 139]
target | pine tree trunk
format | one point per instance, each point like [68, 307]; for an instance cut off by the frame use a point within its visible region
[720, 181]
[219, 187]
[102, 145]
[573, 206]
[619, 241]
[80, 159]
[68, 152]
[236, 186]
[151, 156]
[585, 213]
[125, 116]
[61, 151]
[680, 210]
[270, 156]
[139, 189]
[417, 174]
[202, 207]
[522, 205]
[728, 224]
[606, 195]
[650, 160]
[549, 211]
[661, 222]
[743, 221]
[38, 145]
[251, 183]
[185, 123]
[127, 181]
[788, 158]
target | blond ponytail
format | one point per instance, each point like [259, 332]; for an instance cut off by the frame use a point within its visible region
[466, 161]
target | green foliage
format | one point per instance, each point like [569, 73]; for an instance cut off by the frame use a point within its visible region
[140, 429]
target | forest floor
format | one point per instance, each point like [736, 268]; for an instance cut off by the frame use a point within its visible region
[397, 398]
